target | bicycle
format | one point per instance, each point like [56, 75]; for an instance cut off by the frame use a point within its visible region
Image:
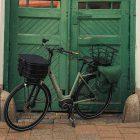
[86, 97]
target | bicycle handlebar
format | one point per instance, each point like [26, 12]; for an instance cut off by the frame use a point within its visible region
[67, 51]
[60, 50]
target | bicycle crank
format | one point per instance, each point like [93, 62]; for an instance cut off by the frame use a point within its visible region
[67, 104]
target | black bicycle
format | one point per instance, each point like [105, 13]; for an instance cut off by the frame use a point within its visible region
[89, 97]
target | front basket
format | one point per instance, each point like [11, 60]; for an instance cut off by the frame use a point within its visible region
[32, 67]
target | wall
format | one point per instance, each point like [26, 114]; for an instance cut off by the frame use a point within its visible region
[1, 39]
[138, 44]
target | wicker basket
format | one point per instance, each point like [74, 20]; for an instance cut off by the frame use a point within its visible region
[32, 67]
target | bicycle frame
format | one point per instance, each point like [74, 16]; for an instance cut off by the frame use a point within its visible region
[59, 92]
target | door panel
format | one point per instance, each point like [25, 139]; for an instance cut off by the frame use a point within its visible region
[29, 25]
[99, 23]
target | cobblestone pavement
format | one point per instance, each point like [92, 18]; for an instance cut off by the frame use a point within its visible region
[55, 126]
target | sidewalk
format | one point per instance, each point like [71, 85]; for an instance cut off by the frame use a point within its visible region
[57, 127]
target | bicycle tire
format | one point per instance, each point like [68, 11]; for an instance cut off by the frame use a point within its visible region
[32, 125]
[91, 115]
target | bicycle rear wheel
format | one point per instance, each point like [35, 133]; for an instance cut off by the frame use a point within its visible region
[91, 104]
[31, 102]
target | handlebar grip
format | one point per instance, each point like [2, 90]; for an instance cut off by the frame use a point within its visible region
[75, 53]
[71, 52]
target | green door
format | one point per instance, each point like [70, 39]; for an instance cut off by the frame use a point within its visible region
[73, 24]
[96, 22]
[29, 24]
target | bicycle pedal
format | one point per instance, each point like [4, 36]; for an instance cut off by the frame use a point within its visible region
[73, 125]
[72, 120]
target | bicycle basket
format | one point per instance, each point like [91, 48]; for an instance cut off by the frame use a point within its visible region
[32, 67]
[103, 55]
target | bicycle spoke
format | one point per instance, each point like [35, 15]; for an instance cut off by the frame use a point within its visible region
[90, 104]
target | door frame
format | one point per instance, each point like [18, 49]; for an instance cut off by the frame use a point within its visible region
[132, 45]
[6, 44]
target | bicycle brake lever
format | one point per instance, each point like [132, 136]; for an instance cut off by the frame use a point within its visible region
[44, 40]
[61, 50]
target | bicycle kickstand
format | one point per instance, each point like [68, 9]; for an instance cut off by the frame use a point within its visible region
[71, 116]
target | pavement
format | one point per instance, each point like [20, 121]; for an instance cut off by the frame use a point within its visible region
[55, 126]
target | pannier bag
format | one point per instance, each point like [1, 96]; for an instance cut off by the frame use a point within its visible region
[32, 67]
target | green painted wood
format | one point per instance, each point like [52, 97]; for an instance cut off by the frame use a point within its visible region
[38, 12]
[12, 42]
[132, 44]
[64, 65]
[74, 40]
[28, 26]
[100, 13]
[125, 30]
[104, 26]
[75, 29]
[36, 39]
[6, 44]
[99, 39]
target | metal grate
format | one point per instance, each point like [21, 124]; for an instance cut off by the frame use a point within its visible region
[99, 5]
[40, 3]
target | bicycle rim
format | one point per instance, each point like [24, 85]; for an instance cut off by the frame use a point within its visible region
[97, 101]
[26, 116]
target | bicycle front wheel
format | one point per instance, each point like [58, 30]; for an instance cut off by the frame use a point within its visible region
[90, 102]
[31, 104]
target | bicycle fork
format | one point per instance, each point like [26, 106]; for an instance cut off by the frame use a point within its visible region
[30, 101]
